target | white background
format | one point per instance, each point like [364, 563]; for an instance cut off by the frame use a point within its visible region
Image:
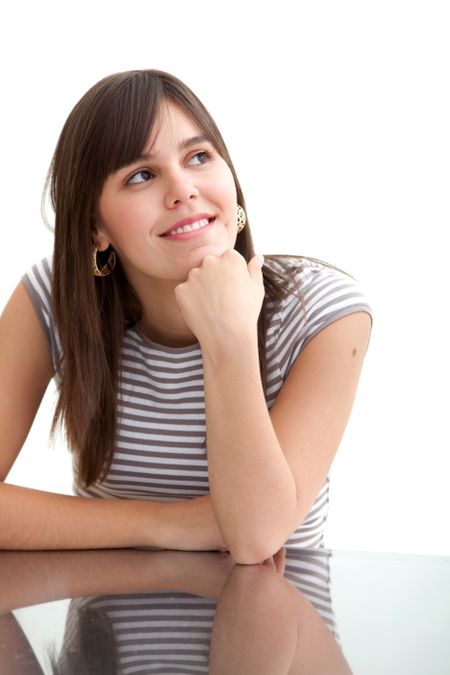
[337, 117]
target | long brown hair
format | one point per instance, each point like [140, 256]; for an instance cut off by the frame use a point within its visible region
[107, 129]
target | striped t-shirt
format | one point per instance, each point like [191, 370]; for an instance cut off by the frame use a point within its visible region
[160, 452]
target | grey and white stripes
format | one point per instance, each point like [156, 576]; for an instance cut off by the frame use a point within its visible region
[161, 447]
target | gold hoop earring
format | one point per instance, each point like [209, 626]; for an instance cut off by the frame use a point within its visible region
[107, 268]
[241, 218]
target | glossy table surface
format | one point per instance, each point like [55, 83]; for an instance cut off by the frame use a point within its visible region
[304, 611]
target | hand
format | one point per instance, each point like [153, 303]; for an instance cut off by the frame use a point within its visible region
[277, 561]
[191, 525]
[222, 297]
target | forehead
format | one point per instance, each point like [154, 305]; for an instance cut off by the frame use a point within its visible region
[172, 124]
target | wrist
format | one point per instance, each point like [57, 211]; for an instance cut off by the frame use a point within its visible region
[175, 526]
[237, 347]
[190, 525]
[152, 519]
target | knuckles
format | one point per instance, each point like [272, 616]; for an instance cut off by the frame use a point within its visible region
[210, 261]
[178, 290]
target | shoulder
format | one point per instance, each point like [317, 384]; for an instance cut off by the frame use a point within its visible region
[300, 272]
[38, 283]
[38, 278]
[312, 283]
[314, 295]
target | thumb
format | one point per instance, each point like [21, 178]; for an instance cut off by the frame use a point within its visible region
[255, 265]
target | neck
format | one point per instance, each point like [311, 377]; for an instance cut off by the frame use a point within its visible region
[162, 320]
[168, 333]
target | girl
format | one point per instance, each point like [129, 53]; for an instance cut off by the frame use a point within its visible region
[203, 391]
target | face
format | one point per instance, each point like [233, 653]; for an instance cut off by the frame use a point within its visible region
[180, 179]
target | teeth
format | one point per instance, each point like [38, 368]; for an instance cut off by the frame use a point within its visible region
[189, 228]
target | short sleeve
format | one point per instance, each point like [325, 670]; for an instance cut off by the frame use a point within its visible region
[37, 282]
[326, 295]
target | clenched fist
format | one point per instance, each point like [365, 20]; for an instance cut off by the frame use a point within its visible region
[223, 297]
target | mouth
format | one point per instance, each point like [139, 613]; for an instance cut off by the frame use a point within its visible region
[191, 230]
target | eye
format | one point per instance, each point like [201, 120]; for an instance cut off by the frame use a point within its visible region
[202, 157]
[141, 176]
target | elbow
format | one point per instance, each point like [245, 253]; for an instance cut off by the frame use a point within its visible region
[260, 542]
[253, 553]
[246, 557]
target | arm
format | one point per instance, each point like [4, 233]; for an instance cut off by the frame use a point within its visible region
[265, 625]
[34, 577]
[33, 519]
[265, 469]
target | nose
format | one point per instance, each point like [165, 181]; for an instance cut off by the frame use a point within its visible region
[180, 189]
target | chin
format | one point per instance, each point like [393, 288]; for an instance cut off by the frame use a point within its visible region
[197, 256]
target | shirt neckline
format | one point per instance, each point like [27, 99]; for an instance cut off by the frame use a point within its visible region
[164, 348]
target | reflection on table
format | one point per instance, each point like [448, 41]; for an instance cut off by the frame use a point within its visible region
[175, 612]
[134, 611]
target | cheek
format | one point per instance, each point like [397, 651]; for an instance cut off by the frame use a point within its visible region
[224, 185]
[121, 216]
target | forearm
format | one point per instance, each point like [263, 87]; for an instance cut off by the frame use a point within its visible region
[263, 624]
[33, 577]
[36, 520]
[252, 488]
[255, 624]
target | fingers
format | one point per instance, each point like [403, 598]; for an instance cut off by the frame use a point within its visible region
[255, 266]
[280, 560]
[269, 563]
[277, 561]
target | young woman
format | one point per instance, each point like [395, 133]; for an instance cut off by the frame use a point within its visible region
[203, 395]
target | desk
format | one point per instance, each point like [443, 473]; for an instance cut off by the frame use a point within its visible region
[307, 611]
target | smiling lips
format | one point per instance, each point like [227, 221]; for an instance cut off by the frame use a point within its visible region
[197, 222]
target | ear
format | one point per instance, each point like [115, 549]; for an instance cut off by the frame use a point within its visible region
[99, 235]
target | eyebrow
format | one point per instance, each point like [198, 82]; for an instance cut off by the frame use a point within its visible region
[184, 145]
